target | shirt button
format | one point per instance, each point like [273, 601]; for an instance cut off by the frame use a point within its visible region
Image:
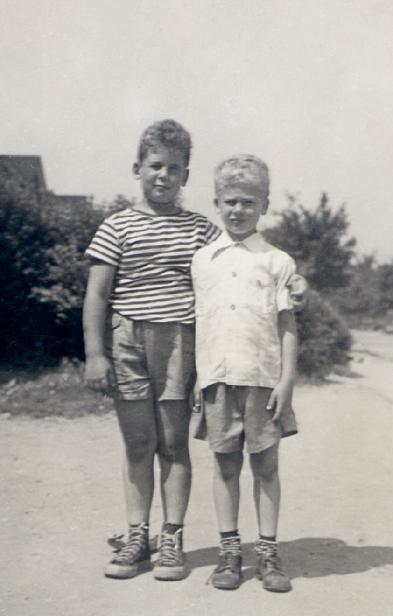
[233, 307]
[234, 274]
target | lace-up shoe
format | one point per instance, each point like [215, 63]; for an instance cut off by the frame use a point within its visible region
[171, 563]
[227, 574]
[269, 569]
[131, 557]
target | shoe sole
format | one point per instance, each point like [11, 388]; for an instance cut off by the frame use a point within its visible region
[122, 572]
[221, 586]
[259, 577]
[170, 574]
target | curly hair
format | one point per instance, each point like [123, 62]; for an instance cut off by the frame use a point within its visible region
[242, 168]
[167, 133]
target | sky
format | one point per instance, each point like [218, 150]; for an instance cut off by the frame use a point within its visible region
[307, 85]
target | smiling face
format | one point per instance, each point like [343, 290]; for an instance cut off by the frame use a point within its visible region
[240, 206]
[162, 173]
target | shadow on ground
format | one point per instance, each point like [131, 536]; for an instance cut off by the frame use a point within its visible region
[308, 557]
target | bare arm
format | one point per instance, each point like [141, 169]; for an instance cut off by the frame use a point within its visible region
[98, 370]
[282, 393]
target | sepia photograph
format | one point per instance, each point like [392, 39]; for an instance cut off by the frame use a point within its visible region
[196, 308]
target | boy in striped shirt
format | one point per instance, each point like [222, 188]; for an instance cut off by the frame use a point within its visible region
[140, 283]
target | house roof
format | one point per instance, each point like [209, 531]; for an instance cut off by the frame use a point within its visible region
[28, 169]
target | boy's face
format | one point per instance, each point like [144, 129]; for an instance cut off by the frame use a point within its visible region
[240, 207]
[162, 173]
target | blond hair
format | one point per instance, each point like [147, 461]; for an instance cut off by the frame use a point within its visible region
[242, 169]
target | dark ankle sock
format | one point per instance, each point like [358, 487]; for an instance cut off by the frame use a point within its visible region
[171, 528]
[272, 539]
[229, 533]
[230, 542]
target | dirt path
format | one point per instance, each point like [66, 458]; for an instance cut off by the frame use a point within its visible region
[61, 497]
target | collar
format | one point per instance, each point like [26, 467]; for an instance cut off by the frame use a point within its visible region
[254, 243]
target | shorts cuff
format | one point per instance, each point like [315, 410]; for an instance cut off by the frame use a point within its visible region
[132, 396]
[226, 449]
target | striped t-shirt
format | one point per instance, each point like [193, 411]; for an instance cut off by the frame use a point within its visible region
[152, 256]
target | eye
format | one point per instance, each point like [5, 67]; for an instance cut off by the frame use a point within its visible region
[230, 202]
[156, 166]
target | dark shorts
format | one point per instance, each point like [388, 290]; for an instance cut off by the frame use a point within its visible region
[151, 359]
[234, 414]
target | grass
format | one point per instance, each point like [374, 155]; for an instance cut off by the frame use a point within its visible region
[57, 392]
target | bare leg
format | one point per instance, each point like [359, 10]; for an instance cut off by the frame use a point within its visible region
[227, 467]
[264, 467]
[173, 426]
[137, 425]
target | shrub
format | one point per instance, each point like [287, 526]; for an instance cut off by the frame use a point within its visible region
[317, 240]
[324, 338]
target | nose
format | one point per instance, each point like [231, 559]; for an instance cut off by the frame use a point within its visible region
[238, 207]
[163, 172]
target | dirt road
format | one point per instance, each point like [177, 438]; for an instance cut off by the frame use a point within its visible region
[61, 498]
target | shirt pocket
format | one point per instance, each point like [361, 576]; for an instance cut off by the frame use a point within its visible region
[264, 295]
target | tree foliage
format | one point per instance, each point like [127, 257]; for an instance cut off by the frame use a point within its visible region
[368, 298]
[317, 240]
[42, 274]
[324, 337]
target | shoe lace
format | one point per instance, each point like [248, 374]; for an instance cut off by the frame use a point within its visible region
[137, 541]
[230, 544]
[271, 559]
[228, 558]
[229, 552]
[273, 563]
[168, 551]
[227, 561]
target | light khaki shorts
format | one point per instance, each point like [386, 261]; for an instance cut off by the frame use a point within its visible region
[232, 415]
[151, 360]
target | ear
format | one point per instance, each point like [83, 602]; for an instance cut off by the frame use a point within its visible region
[135, 170]
[186, 176]
[215, 201]
[265, 205]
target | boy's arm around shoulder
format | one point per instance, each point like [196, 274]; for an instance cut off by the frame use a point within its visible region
[281, 395]
[298, 291]
[291, 287]
[98, 370]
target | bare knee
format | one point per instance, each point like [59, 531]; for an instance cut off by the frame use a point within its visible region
[174, 451]
[265, 466]
[228, 465]
[139, 450]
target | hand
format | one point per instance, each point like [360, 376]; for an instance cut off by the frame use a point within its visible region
[196, 400]
[99, 374]
[279, 398]
[298, 289]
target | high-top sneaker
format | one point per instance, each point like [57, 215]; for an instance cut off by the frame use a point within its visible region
[133, 557]
[171, 563]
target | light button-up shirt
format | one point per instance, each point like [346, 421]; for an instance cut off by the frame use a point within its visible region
[240, 287]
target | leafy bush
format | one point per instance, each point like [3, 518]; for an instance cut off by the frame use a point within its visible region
[367, 301]
[42, 276]
[324, 338]
[317, 240]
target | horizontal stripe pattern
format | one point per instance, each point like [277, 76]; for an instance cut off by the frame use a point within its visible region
[152, 256]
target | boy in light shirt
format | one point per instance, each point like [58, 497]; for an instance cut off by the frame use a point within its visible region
[246, 347]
